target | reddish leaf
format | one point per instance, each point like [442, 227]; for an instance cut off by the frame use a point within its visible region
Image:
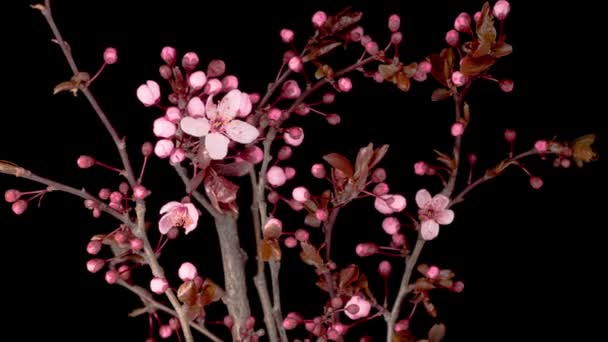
[271, 250]
[276, 250]
[410, 69]
[320, 51]
[402, 81]
[467, 112]
[186, 293]
[437, 332]
[446, 283]
[362, 162]
[266, 250]
[220, 191]
[345, 19]
[197, 180]
[193, 311]
[310, 255]
[423, 284]
[404, 336]
[311, 220]
[440, 94]
[388, 71]
[325, 198]
[423, 268]
[486, 32]
[429, 307]
[322, 284]
[348, 275]
[311, 206]
[237, 169]
[447, 160]
[210, 292]
[202, 159]
[379, 154]
[471, 66]
[442, 65]
[324, 71]
[501, 49]
[339, 162]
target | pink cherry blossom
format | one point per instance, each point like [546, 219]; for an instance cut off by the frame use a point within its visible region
[163, 148]
[178, 215]
[148, 93]
[357, 307]
[187, 271]
[220, 125]
[164, 128]
[177, 156]
[433, 212]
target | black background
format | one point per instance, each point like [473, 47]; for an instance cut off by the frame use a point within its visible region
[531, 260]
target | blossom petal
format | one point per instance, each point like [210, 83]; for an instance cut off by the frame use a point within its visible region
[423, 198]
[211, 108]
[193, 213]
[169, 206]
[429, 229]
[381, 205]
[230, 105]
[241, 132]
[154, 88]
[397, 203]
[196, 107]
[196, 127]
[165, 224]
[440, 202]
[217, 145]
[246, 105]
[444, 216]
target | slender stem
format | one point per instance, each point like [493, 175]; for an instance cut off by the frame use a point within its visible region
[457, 147]
[403, 288]
[17, 171]
[120, 143]
[148, 300]
[273, 87]
[260, 278]
[328, 229]
[275, 267]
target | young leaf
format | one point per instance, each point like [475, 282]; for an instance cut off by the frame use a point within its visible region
[486, 32]
[472, 66]
[437, 332]
[582, 151]
[187, 293]
[379, 153]
[440, 94]
[348, 275]
[237, 169]
[339, 162]
[310, 255]
[210, 292]
[311, 220]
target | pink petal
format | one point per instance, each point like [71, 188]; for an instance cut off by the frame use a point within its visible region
[423, 199]
[196, 127]
[169, 206]
[397, 203]
[440, 202]
[193, 213]
[154, 88]
[246, 106]
[217, 145]
[230, 105]
[381, 205]
[163, 128]
[444, 216]
[165, 224]
[196, 107]
[211, 108]
[241, 132]
[148, 93]
[429, 229]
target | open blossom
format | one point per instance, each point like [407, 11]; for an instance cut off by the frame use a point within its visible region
[148, 93]
[433, 212]
[178, 215]
[220, 126]
[357, 307]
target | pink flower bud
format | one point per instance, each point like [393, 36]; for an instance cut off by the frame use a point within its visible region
[228, 322]
[284, 153]
[147, 148]
[291, 242]
[463, 22]
[287, 35]
[396, 38]
[93, 247]
[290, 323]
[164, 128]
[177, 156]
[291, 90]
[230, 82]
[290, 172]
[321, 214]
[163, 148]
[398, 239]
[115, 197]
[452, 38]
[136, 244]
[85, 162]
[318, 171]
[356, 34]
[302, 235]
[565, 163]
[213, 86]
[458, 287]
[295, 64]
[273, 228]
[12, 195]
[254, 98]
[391, 225]
[379, 175]
[300, 194]
[104, 193]
[123, 187]
[94, 265]
[329, 97]
[165, 72]
[365, 39]
[111, 277]
[165, 331]
[371, 48]
[168, 55]
[333, 334]
[110, 55]
[385, 268]
[287, 55]
[276, 176]
[197, 80]
[159, 285]
[319, 18]
[402, 325]
[457, 129]
[366, 249]
[424, 67]
[432, 272]
[120, 237]
[252, 154]
[273, 197]
[378, 78]
[394, 22]
[250, 323]
[274, 114]
[472, 158]
[216, 68]
[190, 61]
[124, 272]
[140, 192]
[294, 136]
[90, 204]
[345, 84]
[541, 146]
[420, 168]
[510, 135]
[187, 271]
[380, 189]
[501, 9]
[148, 93]
[458, 78]
[506, 85]
[174, 323]
[477, 17]
[333, 119]
[536, 182]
